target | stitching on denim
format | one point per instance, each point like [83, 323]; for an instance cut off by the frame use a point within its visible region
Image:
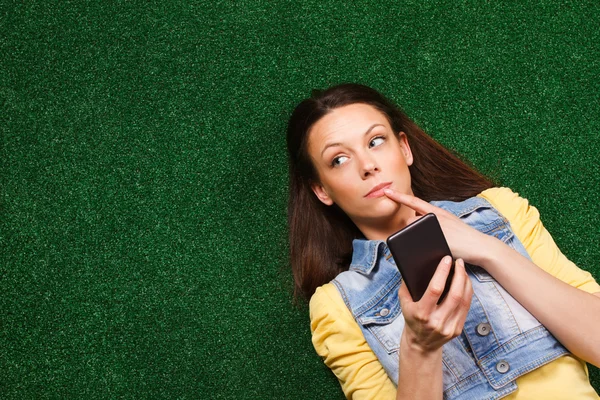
[469, 341]
[389, 349]
[538, 330]
[465, 381]
[501, 228]
[527, 368]
[340, 289]
[451, 369]
[369, 327]
[371, 257]
[383, 293]
[452, 366]
[374, 254]
[488, 318]
[477, 203]
[508, 388]
[373, 250]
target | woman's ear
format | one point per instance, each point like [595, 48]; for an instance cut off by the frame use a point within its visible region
[406, 151]
[321, 193]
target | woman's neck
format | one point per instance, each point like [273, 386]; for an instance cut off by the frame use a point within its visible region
[383, 229]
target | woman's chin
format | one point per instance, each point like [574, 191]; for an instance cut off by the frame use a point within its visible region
[385, 209]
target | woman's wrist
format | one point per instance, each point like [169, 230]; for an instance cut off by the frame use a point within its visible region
[490, 252]
[412, 347]
[420, 370]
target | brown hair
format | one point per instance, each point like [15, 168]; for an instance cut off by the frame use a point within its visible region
[321, 236]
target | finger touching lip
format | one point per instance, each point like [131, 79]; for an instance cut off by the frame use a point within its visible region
[378, 191]
[390, 192]
[394, 195]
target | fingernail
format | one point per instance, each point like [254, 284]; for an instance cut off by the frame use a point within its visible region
[388, 191]
[448, 260]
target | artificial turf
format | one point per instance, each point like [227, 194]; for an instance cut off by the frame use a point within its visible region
[144, 175]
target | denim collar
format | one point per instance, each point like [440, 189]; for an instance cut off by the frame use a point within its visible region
[365, 254]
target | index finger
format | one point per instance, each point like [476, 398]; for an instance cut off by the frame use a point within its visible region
[437, 284]
[421, 206]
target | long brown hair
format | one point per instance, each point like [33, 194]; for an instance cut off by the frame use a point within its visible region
[321, 236]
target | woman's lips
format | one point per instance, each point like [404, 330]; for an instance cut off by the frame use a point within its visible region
[377, 191]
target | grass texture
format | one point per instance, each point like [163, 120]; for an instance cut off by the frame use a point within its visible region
[143, 171]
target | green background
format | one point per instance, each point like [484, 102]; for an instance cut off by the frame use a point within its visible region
[144, 174]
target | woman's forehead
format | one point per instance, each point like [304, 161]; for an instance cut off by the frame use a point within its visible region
[353, 118]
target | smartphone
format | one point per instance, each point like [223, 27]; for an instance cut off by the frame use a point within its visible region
[417, 250]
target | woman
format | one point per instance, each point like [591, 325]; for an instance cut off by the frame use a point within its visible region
[519, 321]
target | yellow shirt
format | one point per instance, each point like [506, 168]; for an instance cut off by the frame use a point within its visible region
[338, 339]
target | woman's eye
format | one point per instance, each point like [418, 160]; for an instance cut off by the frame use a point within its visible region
[339, 161]
[376, 141]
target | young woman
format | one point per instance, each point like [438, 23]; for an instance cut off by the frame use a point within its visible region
[520, 320]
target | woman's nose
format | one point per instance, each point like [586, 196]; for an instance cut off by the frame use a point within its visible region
[368, 166]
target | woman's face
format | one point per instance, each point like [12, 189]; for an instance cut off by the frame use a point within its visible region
[356, 155]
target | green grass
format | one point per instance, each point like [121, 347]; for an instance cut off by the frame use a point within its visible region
[144, 177]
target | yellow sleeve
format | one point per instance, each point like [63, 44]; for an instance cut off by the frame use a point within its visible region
[337, 338]
[527, 226]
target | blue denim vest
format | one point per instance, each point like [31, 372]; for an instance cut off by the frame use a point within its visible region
[500, 340]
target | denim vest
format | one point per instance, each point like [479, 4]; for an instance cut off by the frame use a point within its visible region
[500, 340]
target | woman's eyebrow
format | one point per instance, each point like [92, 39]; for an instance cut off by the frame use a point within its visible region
[339, 144]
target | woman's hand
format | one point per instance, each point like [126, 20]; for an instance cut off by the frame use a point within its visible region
[430, 325]
[563, 309]
[464, 241]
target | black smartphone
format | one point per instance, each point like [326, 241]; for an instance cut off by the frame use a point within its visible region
[417, 250]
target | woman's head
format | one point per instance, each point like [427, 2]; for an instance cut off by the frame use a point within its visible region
[355, 154]
[311, 110]
[347, 140]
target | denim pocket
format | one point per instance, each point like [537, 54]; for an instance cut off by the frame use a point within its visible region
[384, 320]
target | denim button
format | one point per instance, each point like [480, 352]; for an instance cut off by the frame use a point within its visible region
[483, 329]
[502, 367]
[384, 312]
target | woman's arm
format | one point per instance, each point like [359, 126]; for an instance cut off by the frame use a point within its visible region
[421, 373]
[526, 224]
[428, 327]
[570, 314]
[337, 338]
